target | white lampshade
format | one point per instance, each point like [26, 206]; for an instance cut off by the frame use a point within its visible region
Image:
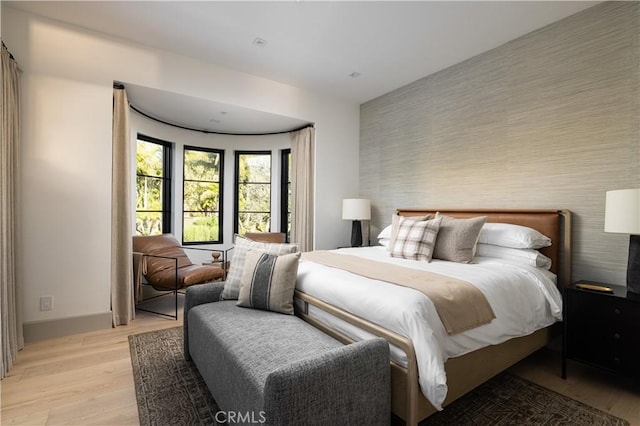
[356, 209]
[622, 211]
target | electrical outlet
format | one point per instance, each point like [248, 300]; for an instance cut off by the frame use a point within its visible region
[46, 303]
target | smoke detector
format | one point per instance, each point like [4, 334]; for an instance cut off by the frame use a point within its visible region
[259, 42]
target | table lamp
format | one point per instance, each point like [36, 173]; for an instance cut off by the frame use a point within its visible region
[356, 209]
[622, 215]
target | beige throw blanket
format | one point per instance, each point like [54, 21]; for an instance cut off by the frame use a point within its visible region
[460, 305]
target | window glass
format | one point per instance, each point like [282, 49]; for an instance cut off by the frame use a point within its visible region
[253, 192]
[153, 186]
[202, 195]
[285, 193]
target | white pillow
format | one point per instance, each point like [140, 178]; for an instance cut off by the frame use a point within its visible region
[529, 257]
[514, 236]
[385, 233]
[384, 242]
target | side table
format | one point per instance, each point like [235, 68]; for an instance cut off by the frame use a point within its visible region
[602, 329]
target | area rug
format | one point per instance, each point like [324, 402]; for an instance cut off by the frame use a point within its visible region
[170, 391]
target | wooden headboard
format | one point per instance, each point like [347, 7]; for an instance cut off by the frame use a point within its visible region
[555, 224]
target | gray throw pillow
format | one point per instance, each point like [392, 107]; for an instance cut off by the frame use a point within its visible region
[268, 281]
[236, 268]
[457, 238]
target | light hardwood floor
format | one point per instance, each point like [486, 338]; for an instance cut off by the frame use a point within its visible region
[86, 379]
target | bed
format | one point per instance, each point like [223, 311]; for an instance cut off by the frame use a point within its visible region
[466, 360]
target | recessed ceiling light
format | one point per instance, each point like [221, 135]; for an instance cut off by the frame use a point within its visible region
[260, 42]
[354, 74]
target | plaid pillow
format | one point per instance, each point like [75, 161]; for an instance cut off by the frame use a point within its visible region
[415, 239]
[242, 245]
[268, 281]
[396, 219]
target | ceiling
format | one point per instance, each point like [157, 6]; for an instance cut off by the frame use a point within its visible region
[205, 115]
[315, 45]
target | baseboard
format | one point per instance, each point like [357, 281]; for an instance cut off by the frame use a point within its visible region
[50, 329]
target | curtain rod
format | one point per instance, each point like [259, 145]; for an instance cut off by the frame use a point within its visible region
[211, 131]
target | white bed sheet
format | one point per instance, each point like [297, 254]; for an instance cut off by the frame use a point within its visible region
[523, 298]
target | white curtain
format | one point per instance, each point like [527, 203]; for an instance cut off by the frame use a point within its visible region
[11, 297]
[302, 194]
[122, 303]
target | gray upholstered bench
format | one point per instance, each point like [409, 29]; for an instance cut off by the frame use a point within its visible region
[276, 369]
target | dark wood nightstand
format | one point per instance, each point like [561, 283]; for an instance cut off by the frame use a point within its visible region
[602, 329]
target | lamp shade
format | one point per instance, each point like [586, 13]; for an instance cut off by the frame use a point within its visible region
[356, 209]
[622, 211]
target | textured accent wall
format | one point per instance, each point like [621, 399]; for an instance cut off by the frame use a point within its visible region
[549, 120]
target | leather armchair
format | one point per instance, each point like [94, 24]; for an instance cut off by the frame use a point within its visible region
[165, 266]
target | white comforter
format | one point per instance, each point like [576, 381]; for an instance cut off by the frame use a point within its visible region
[524, 299]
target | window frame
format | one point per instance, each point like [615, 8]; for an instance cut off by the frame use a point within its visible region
[285, 181]
[236, 184]
[220, 182]
[167, 181]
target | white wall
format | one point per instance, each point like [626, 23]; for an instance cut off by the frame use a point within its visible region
[66, 149]
[228, 143]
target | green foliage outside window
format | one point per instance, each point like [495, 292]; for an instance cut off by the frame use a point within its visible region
[202, 192]
[254, 192]
[201, 207]
[149, 181]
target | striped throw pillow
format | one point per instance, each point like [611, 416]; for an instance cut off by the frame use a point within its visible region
[415, 239]
[268, 281]
[242, 246]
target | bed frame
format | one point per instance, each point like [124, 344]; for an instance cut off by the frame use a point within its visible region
[468, 371]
